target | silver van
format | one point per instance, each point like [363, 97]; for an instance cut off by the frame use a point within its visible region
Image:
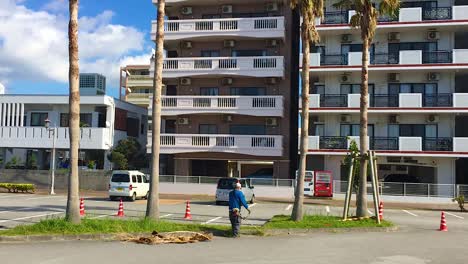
[226, 185]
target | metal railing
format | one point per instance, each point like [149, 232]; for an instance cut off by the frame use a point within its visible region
[437, 13]
[267, 182]
[438, 100]
[334, 59]
[338, 17]
[385, 58]
[384, 143]
[440, 56]
[437, 144]
[384, 100]
[333, 143]
[333, 100]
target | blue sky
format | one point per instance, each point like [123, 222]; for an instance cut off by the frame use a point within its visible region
[33, 41]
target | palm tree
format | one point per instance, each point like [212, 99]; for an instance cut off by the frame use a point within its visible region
[152, 209]
[72, 213]
[309, 9]
[366, 19]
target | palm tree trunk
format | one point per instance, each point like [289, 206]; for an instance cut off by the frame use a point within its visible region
[152, 209]
[72, 213]
[361, 200]
[297, 212]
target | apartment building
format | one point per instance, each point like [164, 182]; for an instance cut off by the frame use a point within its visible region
[92, 84]
[136, 84]
[418, 111]
[230, 97]
[104, 122]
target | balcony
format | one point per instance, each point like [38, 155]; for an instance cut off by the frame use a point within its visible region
[140, 81]
[258, 145]
[258, 27]
[264, 66]
[39, 137]
[241, 105]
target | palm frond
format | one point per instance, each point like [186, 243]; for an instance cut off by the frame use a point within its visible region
[389, 7]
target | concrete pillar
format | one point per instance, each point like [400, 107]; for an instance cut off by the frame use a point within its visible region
[182, 167]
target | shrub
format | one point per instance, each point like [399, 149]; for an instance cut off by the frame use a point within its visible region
[18, 187]
[461, 202]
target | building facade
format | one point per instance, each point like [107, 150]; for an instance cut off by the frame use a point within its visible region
[104, 122]
[92, 84]
[229, 83]
[418, 94]
[136, 84]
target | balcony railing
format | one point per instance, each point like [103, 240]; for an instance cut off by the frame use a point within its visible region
[333, 143]
[437, 57]
[438, 144]
[438, 100]
[333, 100]
[338, 17]
[383, 143]
[383, 100]
[437, 13]
[335, 59]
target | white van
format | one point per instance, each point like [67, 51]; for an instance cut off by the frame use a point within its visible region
[226, 185]
[128, 184]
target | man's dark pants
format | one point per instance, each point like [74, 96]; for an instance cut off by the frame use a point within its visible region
[235, 223]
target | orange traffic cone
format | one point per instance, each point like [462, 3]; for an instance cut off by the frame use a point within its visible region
[120, 213]
[381, 210]
[443, 223]
[188, 215]
[82, 211]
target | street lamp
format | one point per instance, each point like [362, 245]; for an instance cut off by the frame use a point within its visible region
[52, 166]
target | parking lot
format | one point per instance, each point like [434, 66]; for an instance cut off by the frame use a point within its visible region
[17, 209]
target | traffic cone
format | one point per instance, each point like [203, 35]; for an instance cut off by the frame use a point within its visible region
[82, 211]
[381, 210]
[443, 223]
[188, 215]
[120, 213]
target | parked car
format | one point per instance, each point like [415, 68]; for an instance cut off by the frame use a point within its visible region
[401, 178]
[226, 185]
[128, 184]
[261, 177]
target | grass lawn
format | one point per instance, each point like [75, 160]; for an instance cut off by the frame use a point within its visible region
[320, 221]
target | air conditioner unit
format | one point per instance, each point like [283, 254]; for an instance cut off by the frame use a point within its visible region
[186, 10]
[227, 81]
[432, 119]
[394, 119]
[183, 121]
[433, 76]
[226, 9]
[345, 38]
[433, 35]
[272, 43]
[185, 81]
[229, 43]
[271, 7]
[228, 118]
[187, 44]
[271, 80]
[345, 118]
[394, 36]
[393, 77]
[271, 121]
[344, 78]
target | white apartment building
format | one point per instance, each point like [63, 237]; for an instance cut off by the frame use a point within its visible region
[418, 111]
[92, 84]
[104, 122]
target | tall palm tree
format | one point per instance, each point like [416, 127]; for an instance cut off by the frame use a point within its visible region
[366, 19]
[309, 9]
[152, 209]
[72, 213]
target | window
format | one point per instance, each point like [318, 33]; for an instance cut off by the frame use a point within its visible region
[211, 16]
[354, 89]
[252, 91]
[422, 88]
[64, 120]
[139, 179]
[86, 120]
[210, 53]
[248, 53]
[145, 179]
[207, 129]
[38, 119]
[318, 89]
[247, 130]
[413, 130]
[213, 91]
[352, 130]
[318, 130]
[134, 178]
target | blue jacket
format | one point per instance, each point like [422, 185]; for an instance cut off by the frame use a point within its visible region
[236, 199]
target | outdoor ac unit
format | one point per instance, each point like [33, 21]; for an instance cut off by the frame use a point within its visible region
[186, 10]
[187, 44]
[229, 43]
[433, 76]
[345, 38]
[271, 7]
[271, 121]
[226, 9]
[345, 118]
[432, 119]
[433, 35]
[393, 77]
[185, 81]
[272, 42]
[228, 118]
[271, 80]
[183, 121]
[394, 119]
[394, 36]
[227, 81]
[344, 78]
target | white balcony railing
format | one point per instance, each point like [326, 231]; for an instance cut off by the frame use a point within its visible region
[258, 27]
[242, 105]
[262, 66]
[39, 137]
[258, 145]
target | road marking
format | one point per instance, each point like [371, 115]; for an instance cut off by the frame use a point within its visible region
[328, 209]
[22, 209]
[44, 197]
[288, 207]
[212, 220]
[19, 195]
[370, 212]
[454, 215]
[408, 212]
[100, 216]
[28, 217]
[252, 205]
[167, 215]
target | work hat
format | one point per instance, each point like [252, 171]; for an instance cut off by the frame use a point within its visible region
[238, 185]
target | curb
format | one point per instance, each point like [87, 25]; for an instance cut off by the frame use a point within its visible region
[300, 231]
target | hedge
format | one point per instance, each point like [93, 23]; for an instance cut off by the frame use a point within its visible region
[18, 187]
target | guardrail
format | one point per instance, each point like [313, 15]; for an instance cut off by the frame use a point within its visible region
[267, 182]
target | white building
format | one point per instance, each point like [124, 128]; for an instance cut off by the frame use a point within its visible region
[104, 122]
[92, 84]
[418, 93]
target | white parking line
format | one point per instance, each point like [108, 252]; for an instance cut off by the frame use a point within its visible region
[370, 212]
[28, 217]
[22, 209]
[167, 215]
[44, 197]
[288, 207]
[212, 220]
[10, 196]
[100, 216]
[410, 213]
[454, 215]
[328, 209]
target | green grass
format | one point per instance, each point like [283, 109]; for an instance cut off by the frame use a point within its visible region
[320, 221]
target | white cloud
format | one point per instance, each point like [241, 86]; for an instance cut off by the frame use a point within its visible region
[34, 44]
[56, 6]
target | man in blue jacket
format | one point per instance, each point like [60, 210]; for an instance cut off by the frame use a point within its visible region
[236, 200]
